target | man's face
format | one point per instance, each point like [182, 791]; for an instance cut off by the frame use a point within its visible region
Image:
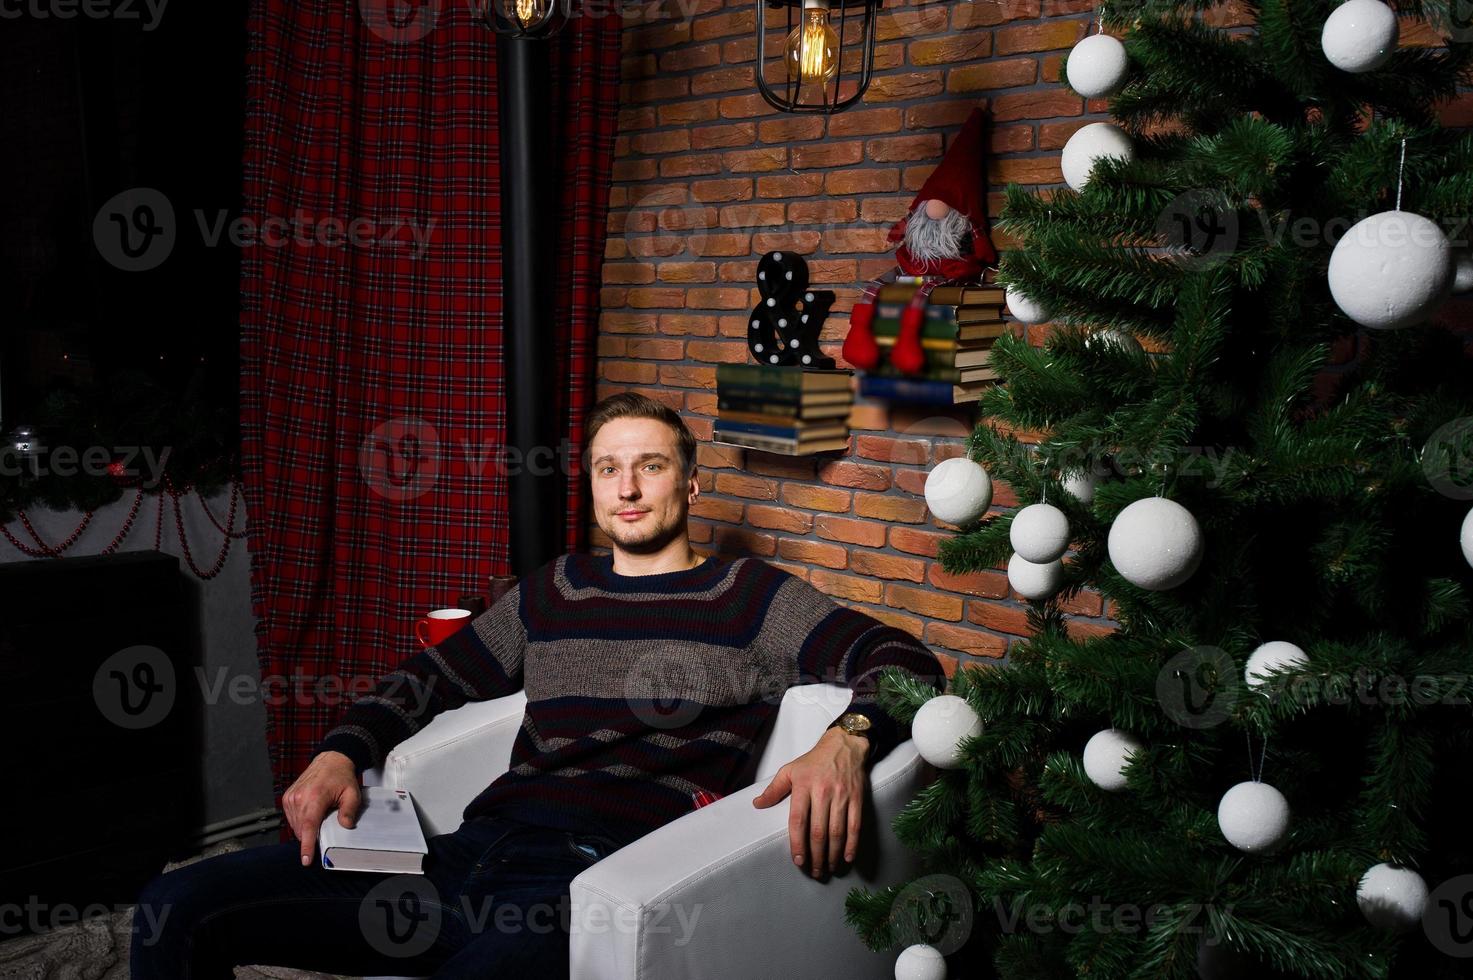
[640, 496]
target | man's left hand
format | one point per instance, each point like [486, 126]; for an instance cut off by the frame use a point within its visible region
[827, 786]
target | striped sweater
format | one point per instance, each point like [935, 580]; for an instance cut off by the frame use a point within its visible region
[642, 691]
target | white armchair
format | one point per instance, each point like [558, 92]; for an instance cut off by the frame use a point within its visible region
[713, 894]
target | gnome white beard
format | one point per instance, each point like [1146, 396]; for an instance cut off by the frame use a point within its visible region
[932, 239]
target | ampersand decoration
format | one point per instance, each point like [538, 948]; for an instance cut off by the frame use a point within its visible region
[785, 325]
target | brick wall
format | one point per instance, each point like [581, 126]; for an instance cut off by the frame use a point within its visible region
[708, 178]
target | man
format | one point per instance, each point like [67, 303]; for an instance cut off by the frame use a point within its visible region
[598, 642]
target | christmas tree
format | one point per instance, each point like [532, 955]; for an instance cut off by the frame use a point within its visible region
[1244, 432]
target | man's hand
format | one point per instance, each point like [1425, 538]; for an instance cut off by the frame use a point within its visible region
[329, 781]
[827, 785]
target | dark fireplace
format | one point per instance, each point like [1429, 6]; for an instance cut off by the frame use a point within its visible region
[103, 717]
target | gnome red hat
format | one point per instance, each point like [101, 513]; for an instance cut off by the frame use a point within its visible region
[960, 182]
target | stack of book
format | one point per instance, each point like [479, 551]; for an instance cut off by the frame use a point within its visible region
[788, 410]
[961, 324]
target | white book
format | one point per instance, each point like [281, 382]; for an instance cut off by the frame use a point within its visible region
[386, 837]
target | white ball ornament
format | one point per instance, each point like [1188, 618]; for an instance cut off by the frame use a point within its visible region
[1155, 544]
[1462, 272]
[958, 490]
[1034, 580]
[1218, 961]
[1090, 144]
[1391, 897]
[1253, 817]
[1109, 337]
[1360, 35]
[1391, 270]
[1273, 655]
[1025, 310]
[1096, 66]
[1466, 538]
[1106, 755]
[1080, 484]
[1040, 533]
[920, 962]
[939, 728]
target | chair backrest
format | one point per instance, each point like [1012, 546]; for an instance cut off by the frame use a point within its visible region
[804, 713]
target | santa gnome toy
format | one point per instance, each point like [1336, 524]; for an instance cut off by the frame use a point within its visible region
[943, 240]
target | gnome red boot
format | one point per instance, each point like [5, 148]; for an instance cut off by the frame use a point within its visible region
[908, 355]
[860, 348]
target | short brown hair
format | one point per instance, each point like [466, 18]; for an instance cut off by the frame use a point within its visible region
[633, 405]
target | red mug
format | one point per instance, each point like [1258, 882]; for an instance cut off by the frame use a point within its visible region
[439, 625]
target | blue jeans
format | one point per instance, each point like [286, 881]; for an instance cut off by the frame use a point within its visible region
[493, 901]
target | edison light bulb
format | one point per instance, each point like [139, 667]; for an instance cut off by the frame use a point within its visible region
[525, 12]
[812, 50]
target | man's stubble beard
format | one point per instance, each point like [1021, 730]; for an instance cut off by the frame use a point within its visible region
[652, 541]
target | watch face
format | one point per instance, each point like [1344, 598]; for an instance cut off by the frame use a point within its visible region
[856, 723]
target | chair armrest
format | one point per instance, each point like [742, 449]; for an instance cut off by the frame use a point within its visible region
[448, 762]
[692, 898]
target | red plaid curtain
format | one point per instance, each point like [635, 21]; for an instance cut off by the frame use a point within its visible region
[372, 396]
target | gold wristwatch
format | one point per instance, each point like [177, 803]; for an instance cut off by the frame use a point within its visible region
[855, 724]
